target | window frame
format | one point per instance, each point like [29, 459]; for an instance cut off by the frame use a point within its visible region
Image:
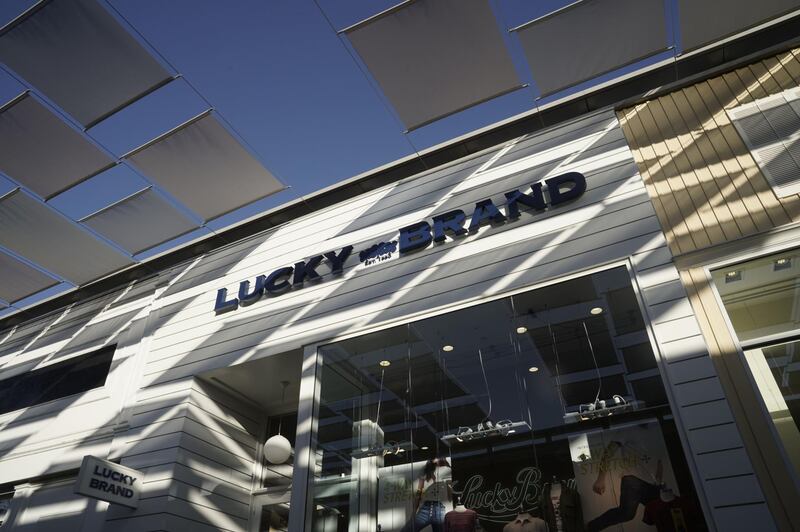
[43, 366]
[741, 346]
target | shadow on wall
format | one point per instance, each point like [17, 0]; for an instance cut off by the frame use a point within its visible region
[705, 184]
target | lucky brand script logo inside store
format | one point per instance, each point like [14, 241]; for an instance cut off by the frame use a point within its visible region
[560, 189]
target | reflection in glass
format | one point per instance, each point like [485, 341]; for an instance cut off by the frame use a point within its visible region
[761, 296]
[775, 370]
[762, 299]
[542, 411]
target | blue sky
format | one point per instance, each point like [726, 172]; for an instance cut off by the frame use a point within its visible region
[286, 83]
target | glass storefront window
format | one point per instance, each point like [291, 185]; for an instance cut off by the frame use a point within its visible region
[544, 409]
[762, 300]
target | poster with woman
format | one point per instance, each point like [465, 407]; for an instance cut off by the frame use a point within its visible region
[622, 473]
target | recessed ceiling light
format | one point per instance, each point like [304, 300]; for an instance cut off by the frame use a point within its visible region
[385, 363]
[522, 330]
[533, 369]
[733, 276]
[447, 348]
[424, 447]
[596, 311]
[782, 264]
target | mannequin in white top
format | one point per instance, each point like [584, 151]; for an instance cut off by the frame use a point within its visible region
[434, 490]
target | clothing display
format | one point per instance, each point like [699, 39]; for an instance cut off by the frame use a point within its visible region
[633, 492]
[564, 514]
[677, 515]
[433, 491]
[555, 500]
[460, 520]
[429, 513]
[525, 522]
[438, 488]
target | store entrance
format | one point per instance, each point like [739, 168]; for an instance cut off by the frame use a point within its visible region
[270, 388]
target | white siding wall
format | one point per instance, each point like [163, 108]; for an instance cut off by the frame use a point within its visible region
[53, 437]
[197, 447]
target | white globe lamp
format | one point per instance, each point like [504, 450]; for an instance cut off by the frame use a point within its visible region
[277, 449]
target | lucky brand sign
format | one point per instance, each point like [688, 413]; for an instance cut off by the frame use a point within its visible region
[455, 224]
[107, 481]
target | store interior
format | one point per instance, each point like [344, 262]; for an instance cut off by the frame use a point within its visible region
[493, 409]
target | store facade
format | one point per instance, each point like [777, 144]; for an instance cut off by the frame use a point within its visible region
[502, 340]
[719, 158]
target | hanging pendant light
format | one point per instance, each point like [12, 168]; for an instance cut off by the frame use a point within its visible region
[278, 449]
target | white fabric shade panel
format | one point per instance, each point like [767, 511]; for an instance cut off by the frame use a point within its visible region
[20, 280]
[433, 58]
[204, 166]
[705, 21]
[41, 151]
[591, 38]
[36, 232]
[78, 55]
[140, 221]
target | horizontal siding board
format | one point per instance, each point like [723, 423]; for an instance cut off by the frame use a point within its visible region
[228, 425]
[707, 414]
[208, 450]
[657, 276]
[690, 370]
[679, 329]
[196, 496]
[670, 311]
[232, 441]
[730, 462]
[745, 518]
[717, 438]
[200, 479]
[652, 258]
[196, 517]
[662, 293]
[699, 391]
[150, 459]
[739, 490]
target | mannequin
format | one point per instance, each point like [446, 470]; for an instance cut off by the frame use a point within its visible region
[525, 522]
[561, 506]
[460, 519]
[434, 489]
[671, 512]
[555, 500]
[667, 494]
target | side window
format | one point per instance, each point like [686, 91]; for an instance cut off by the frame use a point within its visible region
[762, 300]
[55, 381]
